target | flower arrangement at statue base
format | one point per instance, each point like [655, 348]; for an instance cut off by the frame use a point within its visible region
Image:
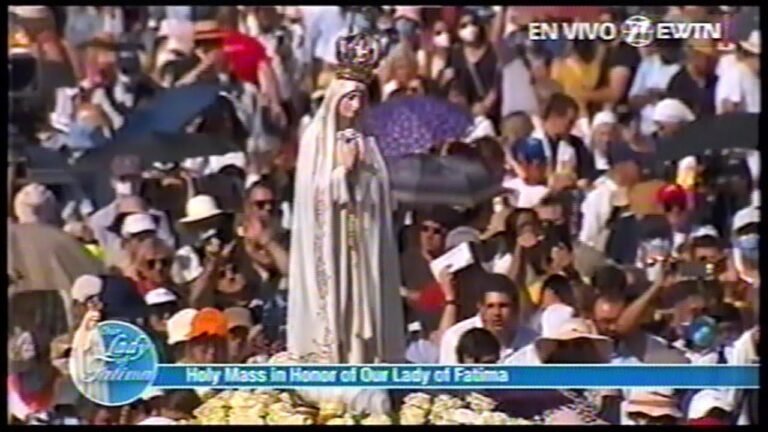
[270, 407]
[280, 407]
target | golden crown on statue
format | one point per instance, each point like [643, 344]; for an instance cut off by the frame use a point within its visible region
[358, 56]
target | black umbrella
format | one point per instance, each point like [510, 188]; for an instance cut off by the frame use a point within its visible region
[726, 131]
[161, 147]
[442, 180]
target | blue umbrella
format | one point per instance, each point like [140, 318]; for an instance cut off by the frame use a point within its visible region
[414, 124]
[170, 111]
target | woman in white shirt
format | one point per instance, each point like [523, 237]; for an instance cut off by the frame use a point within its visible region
[738, 88]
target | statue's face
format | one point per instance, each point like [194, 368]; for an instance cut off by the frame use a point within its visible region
[351, 104]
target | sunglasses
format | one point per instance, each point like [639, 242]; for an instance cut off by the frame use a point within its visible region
[413, 90]
[156, 263]
[264, 204]
[427, 229]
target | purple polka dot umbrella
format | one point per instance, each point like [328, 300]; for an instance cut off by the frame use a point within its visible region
[414, 124]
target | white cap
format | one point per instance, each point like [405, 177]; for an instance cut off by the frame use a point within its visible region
[745, 217]
[180, 325]
[672, 111]
[554, 317]
[217, 163]
[137, 223]
[86, 286]
[706, 400]
[707, 230]
[604, 117]
[159, 296]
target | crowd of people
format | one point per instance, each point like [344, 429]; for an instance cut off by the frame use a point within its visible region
[594, 250]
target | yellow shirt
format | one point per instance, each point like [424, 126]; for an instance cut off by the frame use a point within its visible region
[96, 251]
[576, 77]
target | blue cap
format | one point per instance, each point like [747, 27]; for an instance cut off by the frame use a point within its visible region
[622, 152]
[530, 150]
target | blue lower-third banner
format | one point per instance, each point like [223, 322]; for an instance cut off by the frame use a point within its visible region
[456, 377]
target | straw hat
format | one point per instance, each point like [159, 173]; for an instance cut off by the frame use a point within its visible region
[201, 207]
[752, 45]
[238, 317]
[572, 329]
[180, 326]
[653, 403]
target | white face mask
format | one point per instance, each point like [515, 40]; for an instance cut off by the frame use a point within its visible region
[442, 41]
[469, 33]
[124, 188]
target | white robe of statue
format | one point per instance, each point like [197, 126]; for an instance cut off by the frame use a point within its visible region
[344, 304]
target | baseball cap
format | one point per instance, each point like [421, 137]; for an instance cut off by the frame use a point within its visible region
[86, 286]
[126, 165]
[180, 326]
[238, 317]
[705, 231]
[159, 296]
[210, 322]
[747, 216]
[137, 223]
[530, 150]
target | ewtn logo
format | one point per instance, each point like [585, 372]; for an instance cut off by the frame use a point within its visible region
[638, 31]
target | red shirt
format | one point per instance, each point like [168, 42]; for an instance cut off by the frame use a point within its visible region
[431, 298]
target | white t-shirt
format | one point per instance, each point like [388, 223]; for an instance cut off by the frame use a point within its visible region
[527, 196]
[652, 74]
[738, 85]
[596, 210]
[450, 340]
[526, 356]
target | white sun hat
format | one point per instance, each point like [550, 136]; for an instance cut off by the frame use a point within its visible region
[86, 286]
[201, 207]
[137, 223]
[705, 401]
[180, 325]
[672, 111]
[752, 45]
[572, 329]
